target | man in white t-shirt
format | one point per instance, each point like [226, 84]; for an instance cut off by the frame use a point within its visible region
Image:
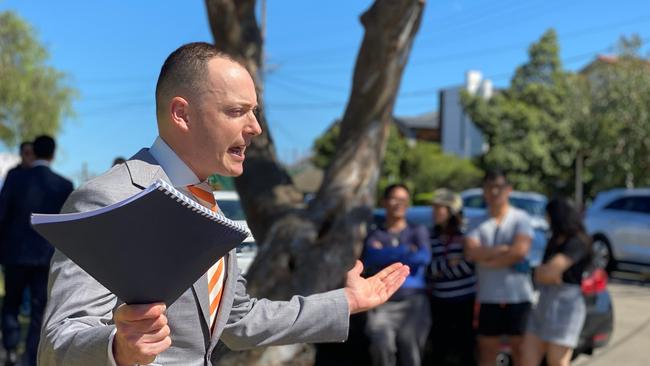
[496, 244]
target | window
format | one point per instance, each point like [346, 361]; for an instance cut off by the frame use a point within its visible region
[232, 209]
[474, 201]
[631, 203]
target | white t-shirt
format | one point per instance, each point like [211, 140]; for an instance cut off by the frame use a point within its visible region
[502, 285]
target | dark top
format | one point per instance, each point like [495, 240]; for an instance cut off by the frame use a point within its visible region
[578, 251]
[410, 246]
[27, 191]
[452, 276]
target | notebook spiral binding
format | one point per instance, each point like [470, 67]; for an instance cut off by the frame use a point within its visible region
[182, 198]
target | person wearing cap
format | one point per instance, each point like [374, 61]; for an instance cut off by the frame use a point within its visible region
[398, 329]
[453, 284]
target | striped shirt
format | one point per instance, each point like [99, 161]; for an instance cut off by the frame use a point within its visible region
[452, 276]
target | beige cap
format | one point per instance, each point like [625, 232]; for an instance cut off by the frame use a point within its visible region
[446, 197]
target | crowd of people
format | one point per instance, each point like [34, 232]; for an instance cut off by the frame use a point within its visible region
[469, 286]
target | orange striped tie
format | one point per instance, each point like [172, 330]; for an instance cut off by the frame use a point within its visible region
[203, 194]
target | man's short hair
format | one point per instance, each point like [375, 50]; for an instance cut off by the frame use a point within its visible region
[494, 174]
[44, 147]
[391, 187]
[185, 69]
[24, 144]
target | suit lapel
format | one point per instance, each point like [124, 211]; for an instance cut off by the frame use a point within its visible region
[200, 288]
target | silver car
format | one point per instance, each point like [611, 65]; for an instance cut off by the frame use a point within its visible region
[619, 222]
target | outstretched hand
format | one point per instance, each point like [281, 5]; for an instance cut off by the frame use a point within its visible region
[366, 293]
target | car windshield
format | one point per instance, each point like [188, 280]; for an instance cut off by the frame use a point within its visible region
[534, 207]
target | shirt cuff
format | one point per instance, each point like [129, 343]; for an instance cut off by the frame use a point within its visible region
[111, 359]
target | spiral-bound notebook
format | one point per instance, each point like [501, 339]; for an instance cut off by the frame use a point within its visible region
[150, 247]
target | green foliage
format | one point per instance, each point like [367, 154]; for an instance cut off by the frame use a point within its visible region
[422, 167]
[325, 146]
[33, 96]
[428, 168]
[547, 117]
[617, 112]
[221, 183]
[527, 125]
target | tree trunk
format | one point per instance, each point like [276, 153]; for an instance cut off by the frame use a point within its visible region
[308, 250]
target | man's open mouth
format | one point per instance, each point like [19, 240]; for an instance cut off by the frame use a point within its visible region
[237, 151]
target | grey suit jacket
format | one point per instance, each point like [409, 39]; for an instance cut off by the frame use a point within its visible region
[78, 318]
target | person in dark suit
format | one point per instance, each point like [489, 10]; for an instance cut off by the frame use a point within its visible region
[24, 254]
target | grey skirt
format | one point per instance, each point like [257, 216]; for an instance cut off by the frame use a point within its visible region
[559, 314]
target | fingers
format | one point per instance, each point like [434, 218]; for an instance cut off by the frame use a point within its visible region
[393, 269]
[139, 312]
[390, 281]
[357, 269]
[141, 333]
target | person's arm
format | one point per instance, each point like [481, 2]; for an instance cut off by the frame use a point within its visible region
[420, 251]
[510, 254]
[376, 255]
[515, 252]
[550, 273]
[322, 317]
[78, 324]
[455, 262]
[475, 252]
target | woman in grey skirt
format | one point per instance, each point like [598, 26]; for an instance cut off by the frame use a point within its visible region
[557, 319]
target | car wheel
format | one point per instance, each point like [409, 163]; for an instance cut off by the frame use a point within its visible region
[602, 254]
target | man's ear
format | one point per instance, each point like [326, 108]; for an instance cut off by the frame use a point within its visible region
[179, 112]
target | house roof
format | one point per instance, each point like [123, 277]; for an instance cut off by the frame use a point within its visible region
[427, 120]
[599, 60]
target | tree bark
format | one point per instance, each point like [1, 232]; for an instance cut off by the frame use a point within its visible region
[305, 250]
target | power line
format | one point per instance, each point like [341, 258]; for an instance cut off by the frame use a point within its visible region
[434, 90]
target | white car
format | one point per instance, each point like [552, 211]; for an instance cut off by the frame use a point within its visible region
[230, 206]
[619, 222]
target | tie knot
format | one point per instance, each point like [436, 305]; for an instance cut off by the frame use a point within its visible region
[203, 193]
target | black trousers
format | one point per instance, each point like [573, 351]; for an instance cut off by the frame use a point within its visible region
[17, 279]
[452, 337]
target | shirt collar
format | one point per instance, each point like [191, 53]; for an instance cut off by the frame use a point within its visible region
[40, 162]
[180, 175]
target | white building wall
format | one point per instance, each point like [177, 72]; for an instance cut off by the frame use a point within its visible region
[460, 136]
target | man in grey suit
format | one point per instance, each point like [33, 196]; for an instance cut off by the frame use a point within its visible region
[205, 111]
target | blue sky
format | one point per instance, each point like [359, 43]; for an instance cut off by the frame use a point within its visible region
[113, 50]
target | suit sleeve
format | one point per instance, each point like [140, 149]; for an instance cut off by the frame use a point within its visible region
[78, 319]
[255, 322]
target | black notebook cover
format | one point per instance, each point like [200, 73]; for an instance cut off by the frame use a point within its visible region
[148, 248]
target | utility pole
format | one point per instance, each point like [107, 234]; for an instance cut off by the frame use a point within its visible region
[578, 181]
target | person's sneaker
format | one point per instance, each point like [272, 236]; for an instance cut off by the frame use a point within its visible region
[12, 358]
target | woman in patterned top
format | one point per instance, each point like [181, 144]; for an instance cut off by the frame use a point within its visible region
[453, 285]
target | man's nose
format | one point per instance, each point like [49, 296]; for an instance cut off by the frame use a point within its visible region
[254, 127]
